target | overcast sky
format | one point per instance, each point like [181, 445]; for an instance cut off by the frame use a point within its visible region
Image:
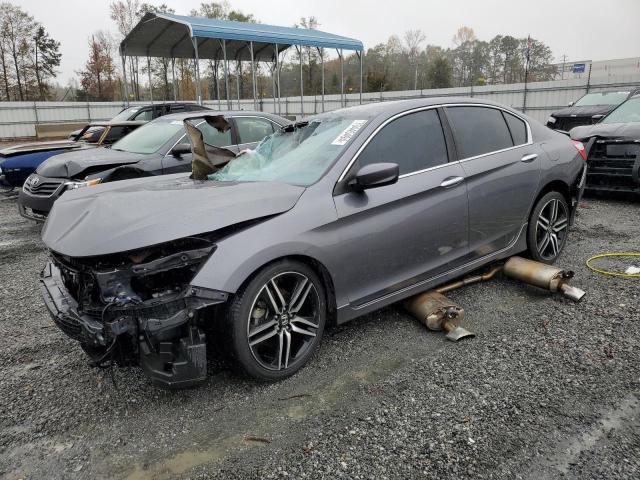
[580, 29]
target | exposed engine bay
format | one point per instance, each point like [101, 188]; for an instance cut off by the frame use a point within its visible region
[137, 308]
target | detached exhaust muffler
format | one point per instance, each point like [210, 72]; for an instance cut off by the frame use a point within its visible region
[544, 276]
[438, 313]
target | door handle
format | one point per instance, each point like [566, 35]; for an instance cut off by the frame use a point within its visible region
[529, 157]
[451, 182]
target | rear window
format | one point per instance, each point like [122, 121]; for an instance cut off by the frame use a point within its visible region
[478, 130]
[517, 128]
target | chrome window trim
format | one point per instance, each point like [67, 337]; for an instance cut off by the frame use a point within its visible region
[429, 107]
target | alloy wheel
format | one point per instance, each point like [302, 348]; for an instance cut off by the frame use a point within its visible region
[551, 229]
[284, 320]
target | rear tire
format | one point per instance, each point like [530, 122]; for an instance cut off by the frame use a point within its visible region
[276, 320]
[548, 228]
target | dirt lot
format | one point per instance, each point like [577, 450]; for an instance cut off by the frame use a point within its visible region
[548, 389]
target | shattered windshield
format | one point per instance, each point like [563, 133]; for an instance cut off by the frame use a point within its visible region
[628, 112]
[296, 155]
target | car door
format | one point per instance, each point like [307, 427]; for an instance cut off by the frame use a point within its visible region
[182, 163]
[251, 130]
[397, 235]
[502, 169]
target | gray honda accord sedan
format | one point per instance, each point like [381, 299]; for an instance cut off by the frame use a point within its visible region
[326, 220]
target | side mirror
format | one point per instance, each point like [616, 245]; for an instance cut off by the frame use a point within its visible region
[375, 175]
[181, 149]
[570, 104]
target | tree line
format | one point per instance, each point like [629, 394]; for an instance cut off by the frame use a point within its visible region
[28, 56]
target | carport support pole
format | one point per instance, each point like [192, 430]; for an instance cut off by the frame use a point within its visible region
[238, 70]
[253, 77]
[124, 80]
[273, 79]
[197, 60]
[361, 60]
[321, 53]
[341, 78]
[149, 75]
[301, 83]
[278, 77]
[226, 73]
[173, 77]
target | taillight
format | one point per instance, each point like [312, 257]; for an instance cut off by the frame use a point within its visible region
[581, 150]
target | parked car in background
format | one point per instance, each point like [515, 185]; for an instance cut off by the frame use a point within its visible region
[158, 148]
[19, 161]
[613, 149]
[588, 109]
[142, 113]
[328, 219]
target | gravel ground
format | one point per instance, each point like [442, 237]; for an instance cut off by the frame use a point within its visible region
[548, 388]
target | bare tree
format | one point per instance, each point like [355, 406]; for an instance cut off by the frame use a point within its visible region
[413, 39]
[126, 14]
[97, 77]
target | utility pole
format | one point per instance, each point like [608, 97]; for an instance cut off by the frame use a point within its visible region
[564, 59]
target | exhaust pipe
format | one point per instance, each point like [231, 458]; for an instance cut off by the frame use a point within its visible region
[438, 313]
[544, 276]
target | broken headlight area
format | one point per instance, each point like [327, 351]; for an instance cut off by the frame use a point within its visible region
[137, 308]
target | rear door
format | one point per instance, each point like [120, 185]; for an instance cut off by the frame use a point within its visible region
[502, 170]
[251, 130]
[400, 234]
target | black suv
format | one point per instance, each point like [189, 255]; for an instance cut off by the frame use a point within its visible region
[588, 109]
[140, 113]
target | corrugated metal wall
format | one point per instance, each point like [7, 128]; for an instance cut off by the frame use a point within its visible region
[18, 119]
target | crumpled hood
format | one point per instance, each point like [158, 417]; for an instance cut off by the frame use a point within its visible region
[618, 131]
[586, 111]
[72, 164]
[121, 216]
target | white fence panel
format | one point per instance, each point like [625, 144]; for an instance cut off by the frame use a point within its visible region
[18, 119]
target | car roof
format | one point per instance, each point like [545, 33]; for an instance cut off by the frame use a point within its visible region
[398, 106]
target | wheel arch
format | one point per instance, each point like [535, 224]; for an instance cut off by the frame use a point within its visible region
[319, 269]
[553, 186]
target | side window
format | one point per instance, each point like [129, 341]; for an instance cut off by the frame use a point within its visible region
[517, 128]
[177, 108]
[144, 115]
[213, 137]
[415, 142]
[478, 130]
[253, 129]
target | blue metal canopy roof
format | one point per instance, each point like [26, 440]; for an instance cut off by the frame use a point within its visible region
[167, 35]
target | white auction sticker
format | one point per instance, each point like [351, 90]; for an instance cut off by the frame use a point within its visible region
[349, 132]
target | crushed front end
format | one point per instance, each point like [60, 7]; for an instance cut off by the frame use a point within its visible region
[137, 308]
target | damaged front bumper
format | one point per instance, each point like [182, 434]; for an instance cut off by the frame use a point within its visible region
[163, 335]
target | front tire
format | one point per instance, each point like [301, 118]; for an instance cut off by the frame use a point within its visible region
[548, 228]
[276, 320]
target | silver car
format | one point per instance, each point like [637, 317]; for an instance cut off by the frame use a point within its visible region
[326, 220]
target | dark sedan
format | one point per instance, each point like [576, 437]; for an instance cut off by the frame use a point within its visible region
[159, 147]
[326, 220]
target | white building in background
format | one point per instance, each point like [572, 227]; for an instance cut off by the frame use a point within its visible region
[600, 68]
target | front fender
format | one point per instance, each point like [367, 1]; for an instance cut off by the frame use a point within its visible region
[306, 230]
